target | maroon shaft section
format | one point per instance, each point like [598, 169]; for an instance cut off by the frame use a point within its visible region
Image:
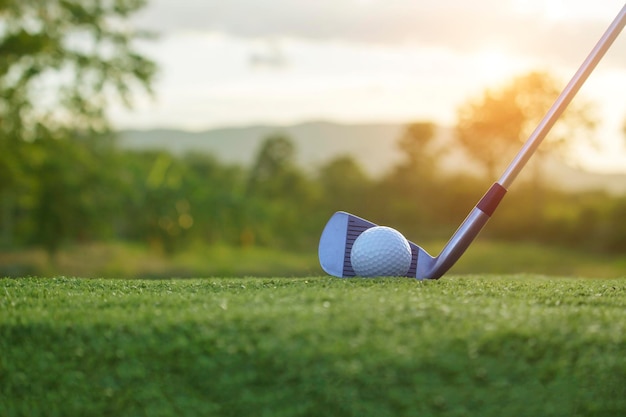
[491, 199]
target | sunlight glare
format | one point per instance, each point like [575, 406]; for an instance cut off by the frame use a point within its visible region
[559, 10]
[495, 64]
[556, 10]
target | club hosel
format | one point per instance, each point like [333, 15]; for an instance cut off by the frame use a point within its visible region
[455, 247]
[464, 235]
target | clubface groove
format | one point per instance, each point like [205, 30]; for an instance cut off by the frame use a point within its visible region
[356, 226]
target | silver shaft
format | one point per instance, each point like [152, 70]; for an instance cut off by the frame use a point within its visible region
[563, 100]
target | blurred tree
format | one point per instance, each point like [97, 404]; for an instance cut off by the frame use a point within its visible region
[158, 209]
[416, 143]
[62, 61]
[492, 127]
[273, 167]
[61, 64]
[412, 181]
[489, 127]
[279, 194]
[345, 185]
[216, 197]
[71, 199]
[617, 230]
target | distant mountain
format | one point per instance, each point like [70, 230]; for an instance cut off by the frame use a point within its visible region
[372, 145]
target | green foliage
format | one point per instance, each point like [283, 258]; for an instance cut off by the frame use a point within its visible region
[489, 346]
[80, 191]
[345, 184]
[70, 196]
[279, 196]
[274, 168]
[417, 178]
[62, 62]
[415, 144]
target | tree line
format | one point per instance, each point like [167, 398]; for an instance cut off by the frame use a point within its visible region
[86, 189]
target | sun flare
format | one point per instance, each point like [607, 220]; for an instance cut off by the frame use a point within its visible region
[495, 64]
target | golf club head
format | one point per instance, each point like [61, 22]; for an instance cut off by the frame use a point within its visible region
[344, 228]
[336, 244]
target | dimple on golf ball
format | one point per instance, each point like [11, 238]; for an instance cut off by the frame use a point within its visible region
[380, 251]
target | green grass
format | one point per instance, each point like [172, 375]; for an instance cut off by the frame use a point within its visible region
[122, 260]
[510, 258]
[513, 345]
[134, 261]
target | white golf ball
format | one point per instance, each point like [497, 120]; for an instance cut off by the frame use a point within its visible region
[381, 251]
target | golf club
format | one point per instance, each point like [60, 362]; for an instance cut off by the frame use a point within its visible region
[343, 228]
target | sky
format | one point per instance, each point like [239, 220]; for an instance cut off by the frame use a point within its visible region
[241, 62]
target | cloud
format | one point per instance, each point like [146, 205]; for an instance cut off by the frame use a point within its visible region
[462, 26]
[352, 20]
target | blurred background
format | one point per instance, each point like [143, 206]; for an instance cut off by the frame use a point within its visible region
[209, 138]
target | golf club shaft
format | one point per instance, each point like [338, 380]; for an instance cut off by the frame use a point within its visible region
[563, 100]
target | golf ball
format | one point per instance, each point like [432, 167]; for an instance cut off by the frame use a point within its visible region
[381, 251]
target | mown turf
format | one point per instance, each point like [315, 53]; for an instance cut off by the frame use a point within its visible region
[460, 346]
